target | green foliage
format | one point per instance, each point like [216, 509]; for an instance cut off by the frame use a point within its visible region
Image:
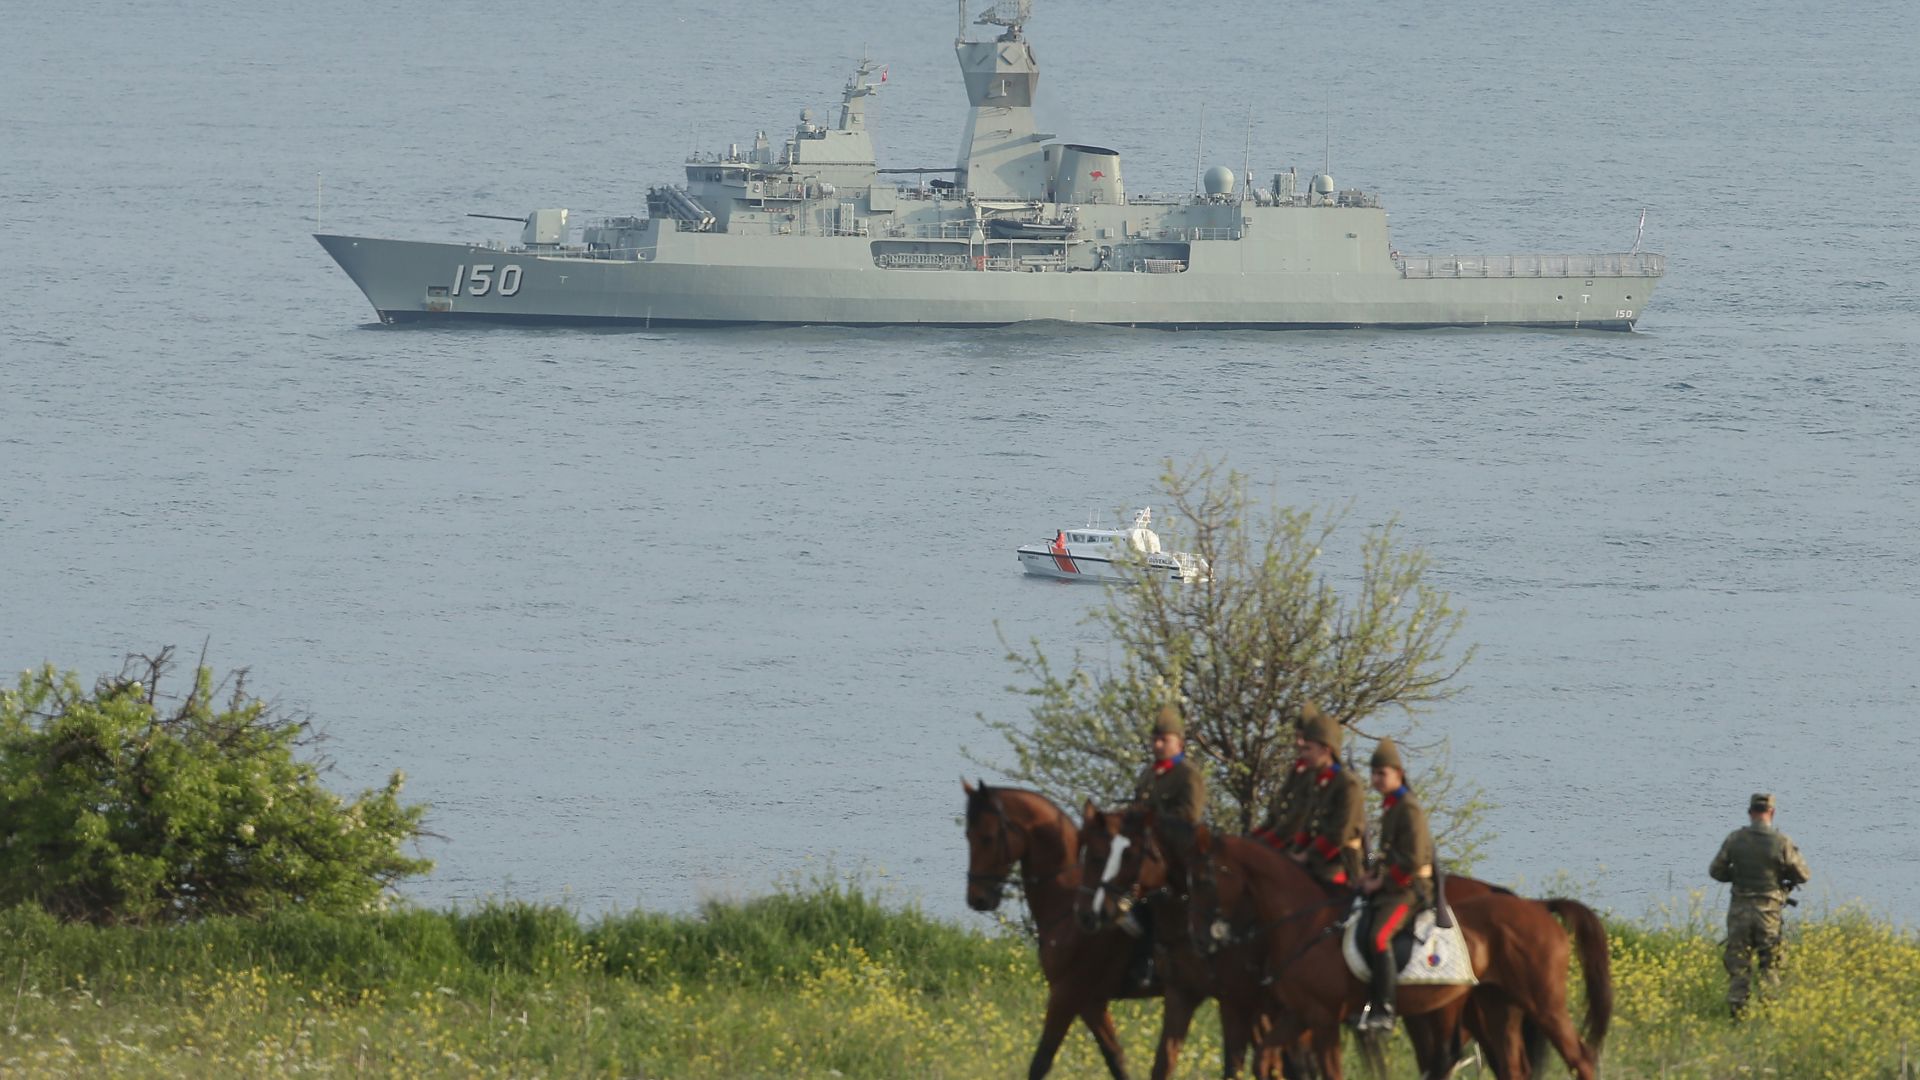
[818, 981]
[119, 805]
[1241, 651]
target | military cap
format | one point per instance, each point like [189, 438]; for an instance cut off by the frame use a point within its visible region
[1761, 802]
[1319, 727]
[1387, 756]
[1168, 721]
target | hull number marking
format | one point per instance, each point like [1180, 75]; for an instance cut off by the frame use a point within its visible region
[478, 279]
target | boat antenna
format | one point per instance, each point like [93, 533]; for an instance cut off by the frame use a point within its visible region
[1199, 147]
[1246, 163]
[1639, 231]
[1326, 134]
[317, 228]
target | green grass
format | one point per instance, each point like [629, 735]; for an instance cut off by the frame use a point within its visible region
[823, 981]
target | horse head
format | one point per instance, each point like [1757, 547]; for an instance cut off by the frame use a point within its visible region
[1120, 859]
[1198, 867]
[994, 847]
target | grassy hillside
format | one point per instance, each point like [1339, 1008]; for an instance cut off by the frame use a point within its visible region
[822, 982]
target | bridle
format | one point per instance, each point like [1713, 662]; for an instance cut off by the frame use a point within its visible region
[1005, 851]
[1116, 853]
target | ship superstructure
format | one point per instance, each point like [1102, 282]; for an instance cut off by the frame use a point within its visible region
[1028, 228]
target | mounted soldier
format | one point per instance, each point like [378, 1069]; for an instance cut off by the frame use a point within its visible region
[1762, 865]
[1327, 841]
[1398, 889]
[1175, 790]
[1289, 806]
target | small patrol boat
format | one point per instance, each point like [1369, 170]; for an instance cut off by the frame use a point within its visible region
[1102, 554]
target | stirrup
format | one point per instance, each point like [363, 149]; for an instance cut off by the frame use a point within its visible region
[1374, 1018]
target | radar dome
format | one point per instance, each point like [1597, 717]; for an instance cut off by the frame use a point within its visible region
[1322, 185]
[1219, 180]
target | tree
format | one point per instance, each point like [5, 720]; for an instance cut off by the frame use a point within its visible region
[1240, 651]
[124, 806]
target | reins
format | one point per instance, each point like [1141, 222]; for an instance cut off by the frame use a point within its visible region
[1260, 929]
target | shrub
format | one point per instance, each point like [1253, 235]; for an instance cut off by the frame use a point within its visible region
[120, 805]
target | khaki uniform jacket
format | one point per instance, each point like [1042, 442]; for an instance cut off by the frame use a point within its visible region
[1755, 860]
[1179, 794]
[1330, 832]
[1288, 810]
[1406, 849]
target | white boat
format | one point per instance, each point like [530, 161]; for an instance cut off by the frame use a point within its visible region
[1101, 554]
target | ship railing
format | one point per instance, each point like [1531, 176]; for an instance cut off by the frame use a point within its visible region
[1627, 264]
[950, 229]
[1213, 234]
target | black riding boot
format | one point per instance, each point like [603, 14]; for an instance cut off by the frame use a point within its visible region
[1378, 1015]
[1140, 963]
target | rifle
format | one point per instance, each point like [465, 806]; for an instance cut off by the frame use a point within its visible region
[1789, 886]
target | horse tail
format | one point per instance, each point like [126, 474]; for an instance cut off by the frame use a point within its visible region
[1591, 939]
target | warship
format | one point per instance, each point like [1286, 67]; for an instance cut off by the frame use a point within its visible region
[1028, 228]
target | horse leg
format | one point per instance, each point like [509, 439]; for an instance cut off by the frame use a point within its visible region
[1100, 1025]
[1558, 1028]
[1235, 1032]
[1327, 1056]
[1176, 1016]
[1060, 1013]
[1497, 1026]
[1436, 1041]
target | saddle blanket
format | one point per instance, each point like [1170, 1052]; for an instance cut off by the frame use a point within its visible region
[1440, 956]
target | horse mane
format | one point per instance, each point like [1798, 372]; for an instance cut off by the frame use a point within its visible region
[980, 802]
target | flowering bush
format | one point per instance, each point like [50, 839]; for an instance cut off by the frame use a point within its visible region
[119, 805]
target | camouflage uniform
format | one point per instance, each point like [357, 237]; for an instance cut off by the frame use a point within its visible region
[1759, 862]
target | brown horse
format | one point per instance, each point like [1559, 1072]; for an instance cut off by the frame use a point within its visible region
[1122, 865]
[1515, 944]
[1515, 1047]
[1008, 828]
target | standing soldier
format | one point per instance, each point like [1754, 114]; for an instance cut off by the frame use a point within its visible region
[1327, 842]
[1289, 805]
[1399, 889]
[1761, 865]
[1176, 791]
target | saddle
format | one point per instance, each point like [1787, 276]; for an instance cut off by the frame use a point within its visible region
[1428, 954]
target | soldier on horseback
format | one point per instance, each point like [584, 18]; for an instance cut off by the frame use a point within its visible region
[1289, 806]
[1401, 886]
[1327, 841]
[1176, 791]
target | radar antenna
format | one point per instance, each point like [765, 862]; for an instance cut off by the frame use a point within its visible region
[1011, 14]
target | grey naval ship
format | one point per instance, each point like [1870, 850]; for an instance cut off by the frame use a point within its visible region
[811, 231]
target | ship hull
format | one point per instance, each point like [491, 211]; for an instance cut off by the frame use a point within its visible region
[716, 280]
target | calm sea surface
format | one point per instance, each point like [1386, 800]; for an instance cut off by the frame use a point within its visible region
[655, 617]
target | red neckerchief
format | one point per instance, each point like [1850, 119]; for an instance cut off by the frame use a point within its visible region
[1327, 774]
[1162, 768]
[1394, 797]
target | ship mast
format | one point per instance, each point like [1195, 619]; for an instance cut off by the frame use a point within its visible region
[1001, 156]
